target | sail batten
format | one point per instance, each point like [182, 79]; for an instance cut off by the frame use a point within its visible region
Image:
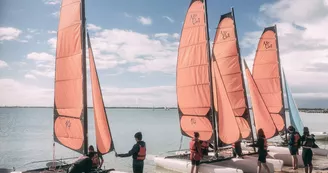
[69, 89]
[267, 76]
[104, 140]
[192, 77]
[230, 97]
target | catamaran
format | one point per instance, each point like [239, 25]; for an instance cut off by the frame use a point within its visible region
[211, 94]
[70, 123]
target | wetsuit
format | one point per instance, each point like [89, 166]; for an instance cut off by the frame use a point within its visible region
[263, 146]
[307, 143]
[83, 164]
[294, 143]
[138, 157]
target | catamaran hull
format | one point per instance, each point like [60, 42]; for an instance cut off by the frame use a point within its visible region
[183, 165]
[320, 135]
[282, 153]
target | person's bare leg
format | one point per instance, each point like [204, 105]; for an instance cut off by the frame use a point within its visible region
[306, 169]
[266, 167]
[258, 167]
[293, 161]
[192, 168]
[311, 167]
[197, 167]
[296, 162]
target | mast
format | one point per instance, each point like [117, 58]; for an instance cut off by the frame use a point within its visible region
[282, 89]
[216, 139]
[85, 106]
[243, 79]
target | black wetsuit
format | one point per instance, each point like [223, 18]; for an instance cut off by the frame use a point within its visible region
[237, 149]
[308, 142]
[81, 165]
[260, 144]
[137, 164]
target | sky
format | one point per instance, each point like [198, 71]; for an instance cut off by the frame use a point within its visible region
[135, 46]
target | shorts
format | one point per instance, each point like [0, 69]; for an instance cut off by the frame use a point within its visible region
[262, 156]
[195, 162]
[293, 150]
[307, 157]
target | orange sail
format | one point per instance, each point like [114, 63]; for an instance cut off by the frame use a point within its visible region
[267, 76]
[70, 99]
[229, 92]
[192, 76]
[261, 113]
[103, 136]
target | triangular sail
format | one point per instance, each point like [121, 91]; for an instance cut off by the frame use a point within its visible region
[192, 76]
[70, 99]
[262, 117]
[266, 74]
[229, 93]
[294, 115]
[104, 139]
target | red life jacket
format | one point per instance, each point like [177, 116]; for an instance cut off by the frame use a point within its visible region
[141, 153]
[205, 145]
[233, 145]
[195, 153]
[296, 139]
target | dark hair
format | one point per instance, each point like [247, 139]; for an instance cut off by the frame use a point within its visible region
[196, 134]
[138, 135]
[260, 133]
[91, 148]
[306, 131]
[291, 128]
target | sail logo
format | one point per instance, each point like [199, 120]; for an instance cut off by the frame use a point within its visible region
[225, 35]
[195, 19]
[68, 123]
[267, 44]
[193, 121]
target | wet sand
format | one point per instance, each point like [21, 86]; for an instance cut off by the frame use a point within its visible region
[320, 165]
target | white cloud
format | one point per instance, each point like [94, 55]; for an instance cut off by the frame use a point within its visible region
[29, 37]
[55, 14]
[3, 64]
[52, 43]
[40, 56]
[9, 33]
[93, 27]
[127, 15]
[303, 43]
[44, 64]
[52, 32]
[52, 2]
[169, 19]
[144, 20]
[29, 76]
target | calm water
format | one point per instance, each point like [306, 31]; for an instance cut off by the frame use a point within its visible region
[26, 135]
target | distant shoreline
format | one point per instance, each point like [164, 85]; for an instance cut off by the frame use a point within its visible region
[307, 110]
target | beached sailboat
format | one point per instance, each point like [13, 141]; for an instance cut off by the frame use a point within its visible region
[213, 98]
[70, 123]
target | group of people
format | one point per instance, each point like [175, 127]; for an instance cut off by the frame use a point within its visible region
[307, 141]
[200, 148]
[93, 161]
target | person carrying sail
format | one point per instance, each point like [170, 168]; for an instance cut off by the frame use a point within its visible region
[97, 159]
[293, 145]
[195, 152]
[307, 142]
[262, 146]
[138, 153]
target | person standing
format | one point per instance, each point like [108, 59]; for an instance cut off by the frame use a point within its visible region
[97, 159]
[138, 153]
[195, 152]
[262, 146]
[293, 145]
[236, 149]
[307, 142]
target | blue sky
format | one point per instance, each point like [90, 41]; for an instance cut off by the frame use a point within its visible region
[143, 70]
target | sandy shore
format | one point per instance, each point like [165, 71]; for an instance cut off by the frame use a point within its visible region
[320, 165]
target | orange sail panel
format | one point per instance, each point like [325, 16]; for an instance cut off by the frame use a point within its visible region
[192, 80]
[68, 104]
[230, 101]
[261, 113]
[266, 73]
[103, 135]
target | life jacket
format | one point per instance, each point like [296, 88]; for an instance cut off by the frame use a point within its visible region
[233, 145]
[95, 160]
[296, 139]
[204, 145]
[141, 153]
[308, 142]
[194, 151]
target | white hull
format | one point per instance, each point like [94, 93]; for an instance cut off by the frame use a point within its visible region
[320, 135]
[282, 153]
[180, 165]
